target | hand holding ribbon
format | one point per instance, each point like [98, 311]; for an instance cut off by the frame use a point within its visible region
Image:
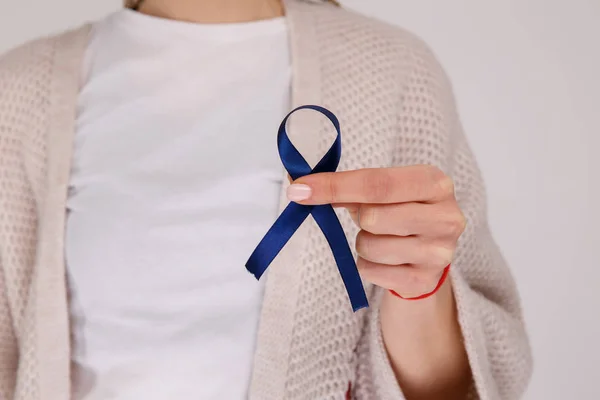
[294, 214]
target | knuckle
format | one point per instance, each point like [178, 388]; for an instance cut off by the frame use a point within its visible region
[461, 224]
[434, 170]
[442, 256]
[378, 185]
[366, 269]
[446, 185]
[362, 264]
[456, 224]
[367, 218]
[362, 243]
[442, 182]
[333, 188]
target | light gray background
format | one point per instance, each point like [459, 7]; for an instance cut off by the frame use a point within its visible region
[527, 78]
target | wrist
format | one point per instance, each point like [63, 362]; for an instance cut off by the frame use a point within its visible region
[422, 296]
[421, 337]
[433, 310]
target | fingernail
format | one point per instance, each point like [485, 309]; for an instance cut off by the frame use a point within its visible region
[298, 192]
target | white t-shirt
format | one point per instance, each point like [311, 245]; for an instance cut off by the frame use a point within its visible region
[175, 180]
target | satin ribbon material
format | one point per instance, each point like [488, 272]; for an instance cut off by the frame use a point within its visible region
[294, 214]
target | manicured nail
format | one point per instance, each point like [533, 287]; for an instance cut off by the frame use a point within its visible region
[298, 192]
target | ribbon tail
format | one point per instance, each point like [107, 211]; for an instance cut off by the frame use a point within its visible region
[278, 235]
[329, 223]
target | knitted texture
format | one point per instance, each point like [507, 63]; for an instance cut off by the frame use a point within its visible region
[395, 106]
[24, 107]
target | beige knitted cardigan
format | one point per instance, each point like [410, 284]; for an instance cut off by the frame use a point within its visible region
[396, 108]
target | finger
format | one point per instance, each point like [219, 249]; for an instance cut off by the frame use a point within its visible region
[440, 220]
[421, 183]
[352, 210]
[396, 250]
[407, 280]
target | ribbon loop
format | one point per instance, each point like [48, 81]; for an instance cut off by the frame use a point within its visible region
[294, 214]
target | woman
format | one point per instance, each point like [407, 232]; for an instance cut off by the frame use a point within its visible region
[139, 172]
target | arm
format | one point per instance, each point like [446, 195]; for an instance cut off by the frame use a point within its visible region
[425, 346]
[480, 298]
[410, 224]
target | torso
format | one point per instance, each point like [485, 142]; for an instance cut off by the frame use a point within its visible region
[309, 343]
[175, 179]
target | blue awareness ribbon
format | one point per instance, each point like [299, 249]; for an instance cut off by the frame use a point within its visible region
[294, 214]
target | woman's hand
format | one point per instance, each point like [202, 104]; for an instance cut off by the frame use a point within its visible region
[410, 223]
[409, 219]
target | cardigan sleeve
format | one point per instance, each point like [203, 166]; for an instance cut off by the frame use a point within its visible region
[489, 311]
[8, 342]
[21, 109]
[8, 345]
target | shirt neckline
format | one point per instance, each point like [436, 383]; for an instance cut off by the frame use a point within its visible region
[153, 26]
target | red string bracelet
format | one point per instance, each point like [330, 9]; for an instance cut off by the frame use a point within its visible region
[426, 295]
